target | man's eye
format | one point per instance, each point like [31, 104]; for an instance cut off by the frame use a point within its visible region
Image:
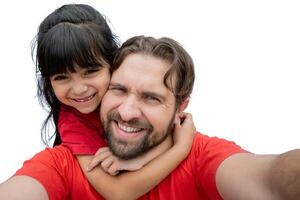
[152, 98]
[117, 90]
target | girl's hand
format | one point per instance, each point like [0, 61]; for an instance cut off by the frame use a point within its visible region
[184, 132]
[104, 157]
[112, 164]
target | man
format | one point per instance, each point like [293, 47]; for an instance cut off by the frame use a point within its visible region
[151, 82]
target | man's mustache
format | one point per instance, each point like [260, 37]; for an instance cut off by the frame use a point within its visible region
[135, 122]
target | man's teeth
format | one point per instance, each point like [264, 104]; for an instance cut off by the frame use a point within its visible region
[128, 129]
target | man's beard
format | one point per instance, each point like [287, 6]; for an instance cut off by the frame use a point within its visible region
[128, 150]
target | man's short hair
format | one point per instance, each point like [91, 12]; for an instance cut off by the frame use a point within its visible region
[181, 64]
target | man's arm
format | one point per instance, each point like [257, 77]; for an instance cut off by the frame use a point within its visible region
[22, 188]
[285, 175]
[260, 177]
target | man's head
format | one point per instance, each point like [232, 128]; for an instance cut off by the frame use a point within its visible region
[151, 82]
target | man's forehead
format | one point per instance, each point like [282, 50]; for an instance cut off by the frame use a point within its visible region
[141, 64]
[144, 71]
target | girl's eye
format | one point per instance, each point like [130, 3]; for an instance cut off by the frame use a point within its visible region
[90, 71]
[59, 77]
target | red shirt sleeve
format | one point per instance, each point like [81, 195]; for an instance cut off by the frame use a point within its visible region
[60, 174]
[51, 175]
[81, 133]
[211, 152]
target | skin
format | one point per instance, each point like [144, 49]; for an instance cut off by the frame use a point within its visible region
[148, 109]
[82, 90]
[171, 158]
[27, 189]
[122, 187]
[243, 176]
[136, 92]
[133, 93]
[260, 177]
[125, 185]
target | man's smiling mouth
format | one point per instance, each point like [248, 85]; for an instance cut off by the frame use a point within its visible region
[128, 129]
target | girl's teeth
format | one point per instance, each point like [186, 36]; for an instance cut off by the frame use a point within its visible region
[85, 99]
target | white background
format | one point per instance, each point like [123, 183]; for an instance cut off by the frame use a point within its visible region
[246, 55]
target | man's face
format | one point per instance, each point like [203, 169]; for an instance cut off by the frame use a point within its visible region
[138, 109]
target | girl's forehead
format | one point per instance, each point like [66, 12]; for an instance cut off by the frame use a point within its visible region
[72, 67]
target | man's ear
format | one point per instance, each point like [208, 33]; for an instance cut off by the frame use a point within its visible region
[180, 109]
[183, 105]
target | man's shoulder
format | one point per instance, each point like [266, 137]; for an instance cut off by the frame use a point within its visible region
[203, 140]
[56, 160]
[204, 144]
[58, 149]
[54, 154]
[58, 171]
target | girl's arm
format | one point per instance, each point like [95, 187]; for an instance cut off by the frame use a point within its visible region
[131, 185]
[113, 165]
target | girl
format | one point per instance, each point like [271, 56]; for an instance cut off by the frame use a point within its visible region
[75, 48]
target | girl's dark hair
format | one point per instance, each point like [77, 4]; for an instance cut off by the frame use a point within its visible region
[74, 34]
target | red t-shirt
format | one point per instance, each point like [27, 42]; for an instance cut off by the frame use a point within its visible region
[59, 172]
[81, 133]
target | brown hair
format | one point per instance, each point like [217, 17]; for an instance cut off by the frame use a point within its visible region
[181, 64]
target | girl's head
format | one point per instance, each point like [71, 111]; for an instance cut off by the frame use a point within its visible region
[74, 38]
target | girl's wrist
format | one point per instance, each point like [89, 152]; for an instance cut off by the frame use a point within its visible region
[181, 149]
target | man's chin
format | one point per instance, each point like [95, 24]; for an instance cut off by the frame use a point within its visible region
[127, 151]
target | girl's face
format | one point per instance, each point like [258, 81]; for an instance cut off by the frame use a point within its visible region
[82, 89]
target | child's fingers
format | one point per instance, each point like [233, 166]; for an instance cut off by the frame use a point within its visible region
[185, 118]
[114, 173]
[105, 164]
[186, 126]
[113, 169]
[188, 121]
[177, 120]
[182, 118]
[101, 150]
[98, 159]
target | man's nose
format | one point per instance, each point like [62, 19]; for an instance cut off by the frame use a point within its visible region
[130, 109]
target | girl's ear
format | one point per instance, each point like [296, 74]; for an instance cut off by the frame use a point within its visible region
[183, 105]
